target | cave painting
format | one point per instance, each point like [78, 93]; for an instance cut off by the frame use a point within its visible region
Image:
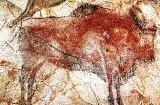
[92, 38]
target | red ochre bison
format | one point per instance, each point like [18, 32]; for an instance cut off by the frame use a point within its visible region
[107, 40]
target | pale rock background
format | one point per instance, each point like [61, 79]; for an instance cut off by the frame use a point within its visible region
[82, 88]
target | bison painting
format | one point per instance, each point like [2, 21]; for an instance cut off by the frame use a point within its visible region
[105, 42]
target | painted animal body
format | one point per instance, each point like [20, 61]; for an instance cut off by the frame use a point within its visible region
[135, 9]
[104, 38]
[118, 38]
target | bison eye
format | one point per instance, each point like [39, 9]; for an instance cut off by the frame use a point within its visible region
[107, 50]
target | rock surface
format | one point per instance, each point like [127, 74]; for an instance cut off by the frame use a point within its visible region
[72, 65]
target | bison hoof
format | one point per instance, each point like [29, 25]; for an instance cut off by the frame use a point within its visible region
[111, 100]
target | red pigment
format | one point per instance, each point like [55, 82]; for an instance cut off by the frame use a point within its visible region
[120, 29]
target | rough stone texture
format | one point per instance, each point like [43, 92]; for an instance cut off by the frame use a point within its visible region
[56, 84]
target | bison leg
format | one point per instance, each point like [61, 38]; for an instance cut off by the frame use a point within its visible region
[110, 81]
[111, 70]
[119, 99]
[31, 80]
[27, 79]
[110, 97]
[22, 80]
